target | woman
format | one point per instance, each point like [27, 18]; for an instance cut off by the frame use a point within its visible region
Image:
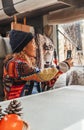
[21, 66]
[20, 63]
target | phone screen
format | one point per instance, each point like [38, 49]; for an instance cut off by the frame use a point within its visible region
[69, 54]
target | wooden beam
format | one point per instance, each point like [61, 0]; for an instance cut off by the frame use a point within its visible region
[73, 2]
[66, 15]
[22, 6]
[69, 2]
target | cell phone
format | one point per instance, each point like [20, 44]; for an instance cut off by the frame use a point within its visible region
[69, 54]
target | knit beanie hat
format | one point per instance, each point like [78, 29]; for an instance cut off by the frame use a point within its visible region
[19, 39]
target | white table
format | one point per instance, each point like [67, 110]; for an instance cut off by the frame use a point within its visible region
[59, 109]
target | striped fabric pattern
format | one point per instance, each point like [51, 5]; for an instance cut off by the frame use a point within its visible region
[15, 91]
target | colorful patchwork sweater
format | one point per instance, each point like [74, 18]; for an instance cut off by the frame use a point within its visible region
[13, 70]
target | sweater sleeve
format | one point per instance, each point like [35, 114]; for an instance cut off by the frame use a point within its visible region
[11, 69]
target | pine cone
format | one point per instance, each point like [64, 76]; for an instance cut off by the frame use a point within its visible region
[14, 108]
[1, 113]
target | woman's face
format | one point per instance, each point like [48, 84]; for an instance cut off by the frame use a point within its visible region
[30, 48]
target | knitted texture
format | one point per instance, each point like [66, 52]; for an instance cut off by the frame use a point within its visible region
[19, 39]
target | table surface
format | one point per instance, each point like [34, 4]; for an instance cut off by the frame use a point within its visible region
[58, 109]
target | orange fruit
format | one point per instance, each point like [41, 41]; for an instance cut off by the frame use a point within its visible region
[11, 122]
